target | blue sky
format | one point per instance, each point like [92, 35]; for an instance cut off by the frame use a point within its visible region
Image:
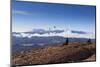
[30, 15]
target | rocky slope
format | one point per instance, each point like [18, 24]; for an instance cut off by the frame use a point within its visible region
[74, 52]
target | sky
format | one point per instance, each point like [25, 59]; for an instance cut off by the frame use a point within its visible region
[27, 16]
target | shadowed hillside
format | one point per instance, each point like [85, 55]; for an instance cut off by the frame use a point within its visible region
[73, 52]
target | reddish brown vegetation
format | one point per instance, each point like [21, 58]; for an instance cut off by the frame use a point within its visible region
[73, 52]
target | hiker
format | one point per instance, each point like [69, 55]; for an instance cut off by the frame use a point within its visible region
[66, 41]
[89, 41]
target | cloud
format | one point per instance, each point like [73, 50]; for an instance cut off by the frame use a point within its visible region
[57, 32]
[78, 32]
[63, 34]
[21, 12]
[43, 31]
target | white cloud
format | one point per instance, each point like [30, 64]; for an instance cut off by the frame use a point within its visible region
[21, 12]
[63, 34]
[76, 35]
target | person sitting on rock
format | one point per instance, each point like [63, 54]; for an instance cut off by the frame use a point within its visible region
[89, 41]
